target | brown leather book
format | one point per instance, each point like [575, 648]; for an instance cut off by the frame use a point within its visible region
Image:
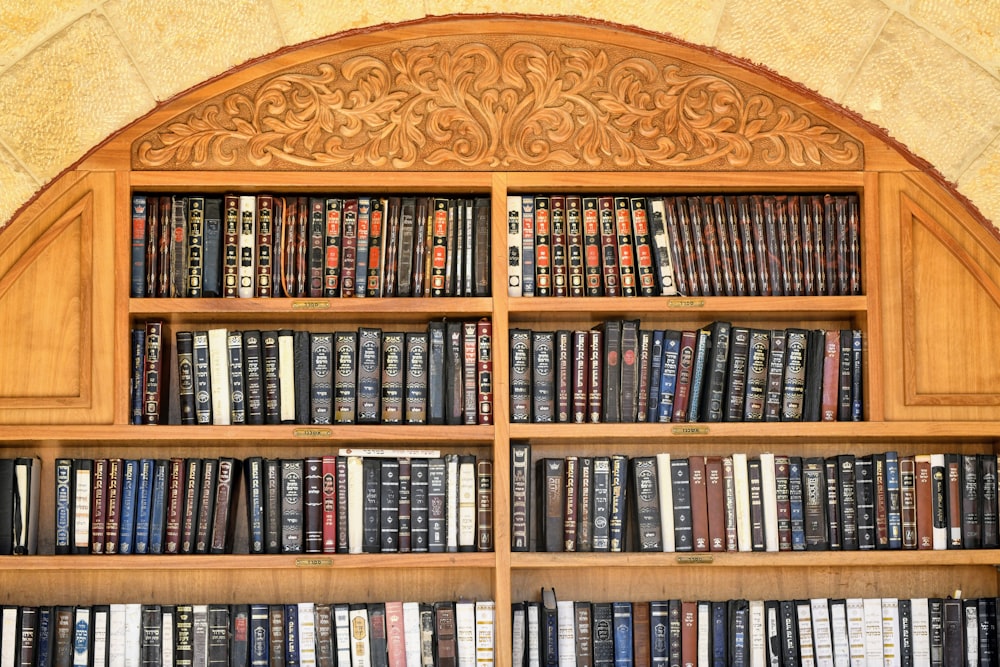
[715, 491]
[689, 633]
[699, 503]
[922, 491]
[641, 652]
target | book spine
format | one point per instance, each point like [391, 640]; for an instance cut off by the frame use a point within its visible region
[332, 241]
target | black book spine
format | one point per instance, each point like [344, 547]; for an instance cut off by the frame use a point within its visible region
[321, 380]
[520, 375]
[454, 384]
[419, 505]
[312, 503]
[436, 382]
[543, 376]
[345, 388]
[253, 376]
[415, 402]
[370, 510]
[520, 490]
[272, 391]
[551, 489]
[393, 377]
[369, 375]
[292, 505]
[718, 363]
[302, 372]
[185, 376]
[629, 361]
[611, 371]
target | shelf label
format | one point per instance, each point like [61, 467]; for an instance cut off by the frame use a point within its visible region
[315, 304]
[685, 303]
[312, 433]
[313, 562]
[695, 560]
[690, 430]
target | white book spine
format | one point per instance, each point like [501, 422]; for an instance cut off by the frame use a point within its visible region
[167, 635]
[307, 634]
[769, 493]
[342, 633]
[822, 632]
[838, 631]
[465, 632]
[451, 502]
[807, 653]
[411, 633]
[855, 609]
[355, 504]
[81, 634]
[218, 361]
[248, 246]
[534, 649]
[873, 630]
[467, 506]
[359, 641]
[8, 637]
[758, 634]
[566, 632]
[133, 634]
[81, 510]
[514, 245]
[485, 634]
[101, 621]
[971, 635]
[920, 628]
[741, 487]
[666, 496]
[116, 632]
[286, 375]
[658, 230]
[890, 633]
[704, 633]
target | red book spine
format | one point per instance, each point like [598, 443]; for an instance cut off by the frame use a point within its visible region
[175, 506]
[581, 377]
[112, 511]
[699, 503]
[543, 247]
[265, 244]
[592, 281]
[647, 285]
[923, 490]
[376, 245]
[685, 367]
[484, 370]
[831, 376]
[574, 245]
[98, 505]
[716, 496]
[349, 249]
[439, 250]
[329, 472]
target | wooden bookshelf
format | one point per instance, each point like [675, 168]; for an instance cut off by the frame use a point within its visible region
[465, 106]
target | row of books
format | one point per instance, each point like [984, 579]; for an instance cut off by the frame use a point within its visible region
[440, 375]
[824, 632]
[323, 246]
[146, 506]
[385, 502]
[20, 488]
[620, 371]
[307, 634]
[693, 245]
[770, 502]
[362, 501]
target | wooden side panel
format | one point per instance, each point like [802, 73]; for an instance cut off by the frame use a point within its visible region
[941, 305]
[57, 305]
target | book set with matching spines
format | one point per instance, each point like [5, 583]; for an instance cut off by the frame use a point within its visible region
[316, 246]
[350, 503]
[621, 372]
[758, 503]
[442, 374]
[392, 633]
[935, 631]
[689, 245]
[381, 502]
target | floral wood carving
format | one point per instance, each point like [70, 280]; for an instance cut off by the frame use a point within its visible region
[499, 104]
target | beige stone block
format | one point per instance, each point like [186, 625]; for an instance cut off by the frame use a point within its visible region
[18, 187]
[692, 20]
[981, 183]
[302, 20]
[24, 23]
[68, 95]
[818, 44]
[972, 26]
[178, 43]
[941, 105]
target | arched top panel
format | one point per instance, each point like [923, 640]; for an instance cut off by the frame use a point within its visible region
[497, 93]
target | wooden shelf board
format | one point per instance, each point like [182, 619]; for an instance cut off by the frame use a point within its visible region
[395, 310]
[810, 559]
[800, 306]
[220, 562]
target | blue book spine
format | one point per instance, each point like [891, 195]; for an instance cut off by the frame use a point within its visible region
[255, 503]
[143, 505]
[158, 507]
[857, 397]
[668, 376]
[622, 621]
[796, 511]
[259, 636]
[655, 371]
[64, 476]
[138, 277]
[893, 501]
[126, 526]
[364, 234]
[701, 353]
[291, 635]
[137, 387]
[81, 637]
[720, 635]
[43, 656]
[659, 632]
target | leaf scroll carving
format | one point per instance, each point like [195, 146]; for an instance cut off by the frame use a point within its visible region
[512, 105]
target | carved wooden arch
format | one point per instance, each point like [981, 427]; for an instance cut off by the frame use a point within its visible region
[497, 93]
